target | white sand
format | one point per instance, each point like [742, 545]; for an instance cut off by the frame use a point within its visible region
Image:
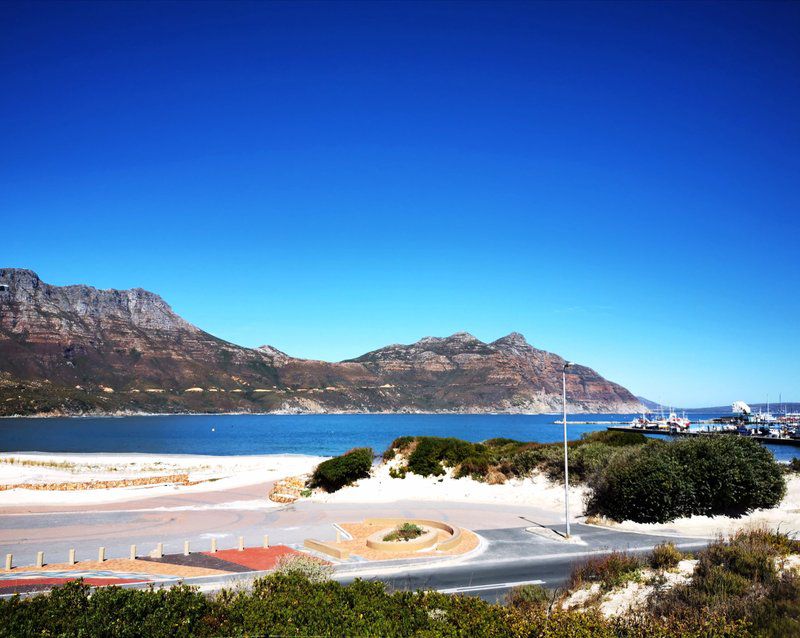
[213, 472]
[785, 517]
[381, 488]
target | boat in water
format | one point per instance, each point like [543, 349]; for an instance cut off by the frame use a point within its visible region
[669, 423]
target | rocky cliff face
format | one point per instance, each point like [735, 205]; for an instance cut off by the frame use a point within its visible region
[76, 349]
[508, 374]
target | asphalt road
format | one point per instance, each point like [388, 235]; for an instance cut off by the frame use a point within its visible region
[511, 555]
[517, 557]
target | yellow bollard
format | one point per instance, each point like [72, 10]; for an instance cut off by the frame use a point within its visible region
[241, 543]
[213, 545]
[266, 540]
[101, 554]
[71, 560]
[185, 548]
[9, 561]
[133, 552]
[40, 559]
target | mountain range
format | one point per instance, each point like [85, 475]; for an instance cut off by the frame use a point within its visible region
[68, 350]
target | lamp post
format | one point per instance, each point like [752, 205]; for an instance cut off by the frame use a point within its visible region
[566, 461]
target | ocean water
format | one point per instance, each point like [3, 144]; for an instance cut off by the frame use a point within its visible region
[318, 434]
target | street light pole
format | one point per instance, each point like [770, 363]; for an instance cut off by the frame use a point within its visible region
[566, 460]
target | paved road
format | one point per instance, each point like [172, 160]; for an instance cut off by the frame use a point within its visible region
[199, 518]
[512, 555]
[515, 557]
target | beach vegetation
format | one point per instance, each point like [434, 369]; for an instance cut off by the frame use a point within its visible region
[610, 571]
[496, 460]
[405, 532]
[741, 580]
[665, 556]
[397, 472]
[314, 569]
[291, 604]
[335, 473]
[661, 481]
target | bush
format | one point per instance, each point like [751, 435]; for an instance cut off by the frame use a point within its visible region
[397, 473]
[315, 570]
[75, 610]
[614, 438]
[737, 580]
[289, 604]
[610, 570]
[397, 445]
[665, 556]
[659, 481]
[525, 462]
[793, 466]
[339, 471]
[432, 454]
[528, 596]
[497, 459]
[404, 532]
[642, 484]
[730, 475]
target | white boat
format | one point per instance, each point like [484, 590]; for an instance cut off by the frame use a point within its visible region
[680, 423]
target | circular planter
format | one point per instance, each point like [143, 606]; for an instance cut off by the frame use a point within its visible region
[429, 538]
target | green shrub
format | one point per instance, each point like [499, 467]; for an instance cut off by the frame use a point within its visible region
[614, 438]
[659, 481]
[315, 570]
[396, 446]
[642, 484]
[793, 466]
[404, 532]
[750, 554]
[665, 556]
[730, 475]
[478, 466]
[397, 473]
[610, 570]
[432, 454]
[289, 604]
[339, 471]
[70, 610]
[528, 596]
[736, 580]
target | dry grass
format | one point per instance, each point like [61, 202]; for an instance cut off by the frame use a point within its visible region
[58, 465]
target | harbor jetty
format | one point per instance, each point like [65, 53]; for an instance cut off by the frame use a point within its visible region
[709, 432]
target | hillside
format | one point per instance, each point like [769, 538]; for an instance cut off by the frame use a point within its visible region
[77, 349]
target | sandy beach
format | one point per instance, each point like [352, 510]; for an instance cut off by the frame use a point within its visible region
[380, 487]
[204, 473]
[225, 474]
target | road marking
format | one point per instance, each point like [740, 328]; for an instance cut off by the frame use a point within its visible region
[462, 590]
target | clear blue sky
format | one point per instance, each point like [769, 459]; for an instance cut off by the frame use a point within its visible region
[619, 182]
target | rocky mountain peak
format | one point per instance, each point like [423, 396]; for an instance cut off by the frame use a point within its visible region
[454, 339]
[36, 303]
[277, 356]
[513, 339]
[78, 348]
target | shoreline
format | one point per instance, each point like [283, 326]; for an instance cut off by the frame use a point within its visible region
[55, 474]
[122, 415]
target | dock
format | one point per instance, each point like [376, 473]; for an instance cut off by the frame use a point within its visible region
[615, 423]
[754, 437]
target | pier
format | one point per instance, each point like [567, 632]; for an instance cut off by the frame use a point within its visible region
[755, 437]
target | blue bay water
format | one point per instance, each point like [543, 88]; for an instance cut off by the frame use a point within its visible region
[318, 434]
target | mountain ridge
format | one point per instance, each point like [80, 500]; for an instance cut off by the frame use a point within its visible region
[78, 349]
